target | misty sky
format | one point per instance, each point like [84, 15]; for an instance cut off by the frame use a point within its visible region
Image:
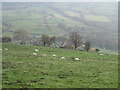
[60, 0]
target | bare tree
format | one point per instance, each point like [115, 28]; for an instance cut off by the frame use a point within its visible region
[21, 36]
[49, 42]
[87, 45]
[53, 39]
[45, 39]
[75, 39]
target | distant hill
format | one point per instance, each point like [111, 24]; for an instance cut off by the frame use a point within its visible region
[96, 22]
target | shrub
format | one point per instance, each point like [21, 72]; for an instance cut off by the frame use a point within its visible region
[97, 50]
[6, 39]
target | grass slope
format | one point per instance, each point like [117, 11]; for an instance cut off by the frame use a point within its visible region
[22, 69]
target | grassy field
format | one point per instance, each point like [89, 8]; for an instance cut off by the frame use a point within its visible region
[97, 18]
[22, 69]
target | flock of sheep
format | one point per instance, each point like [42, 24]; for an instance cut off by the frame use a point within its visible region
[63, 58]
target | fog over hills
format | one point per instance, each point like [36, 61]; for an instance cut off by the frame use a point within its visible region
[96, 22]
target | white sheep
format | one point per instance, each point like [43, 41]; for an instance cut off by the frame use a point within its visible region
[54, 55]
[77, 59]
[34, 54]
[36, 50]
[0, 49]
[83, 45]
[44, 55]
[62, 58]
[6, 49]
[101, 54]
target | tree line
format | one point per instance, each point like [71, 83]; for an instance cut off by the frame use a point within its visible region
[72, 41]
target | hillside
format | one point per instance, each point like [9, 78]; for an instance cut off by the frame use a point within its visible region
[22, 69]
[96, 22]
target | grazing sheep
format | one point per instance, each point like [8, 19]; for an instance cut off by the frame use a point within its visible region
[44, 55]
[6, 49]
[83, 45]
[62, 58]
[34, 54]
[101, 54]
[76, 59]
[36, 50]
[54, 55]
